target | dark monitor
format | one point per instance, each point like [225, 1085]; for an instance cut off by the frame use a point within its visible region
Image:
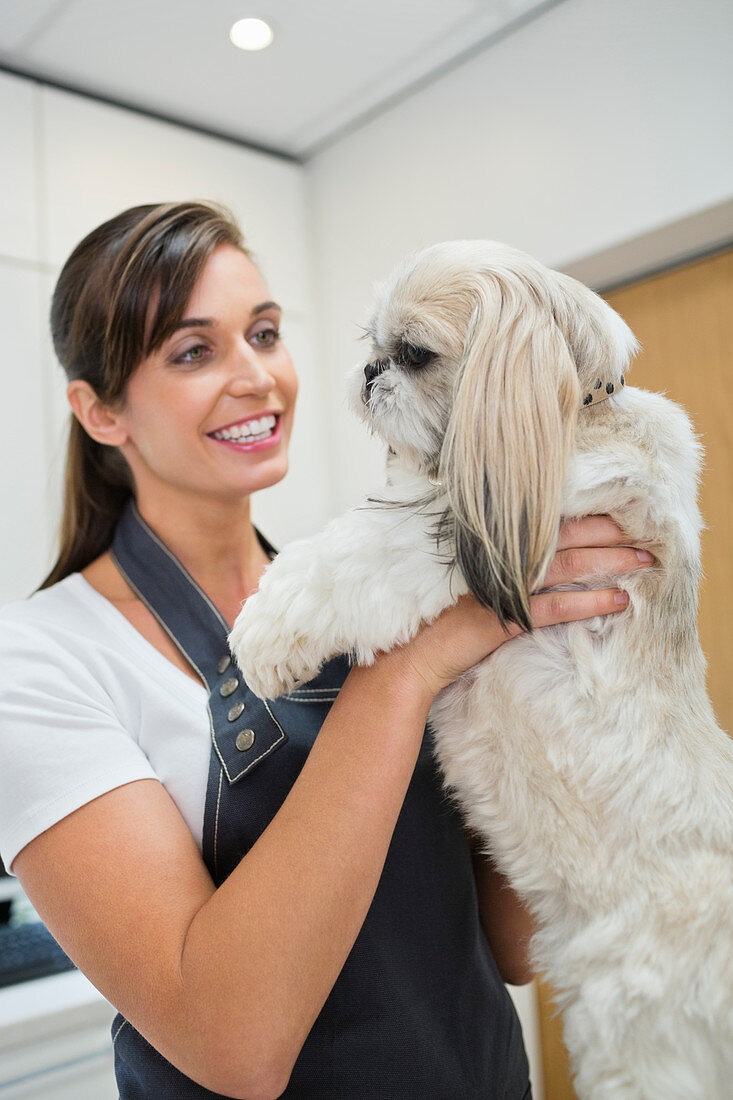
[27, 948]
[6, 902]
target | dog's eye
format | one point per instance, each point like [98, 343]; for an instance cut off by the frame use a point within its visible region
[413, 356]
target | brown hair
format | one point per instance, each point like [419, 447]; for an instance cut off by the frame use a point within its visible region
[102, 331]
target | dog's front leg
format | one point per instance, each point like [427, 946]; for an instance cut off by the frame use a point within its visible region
[363, 585]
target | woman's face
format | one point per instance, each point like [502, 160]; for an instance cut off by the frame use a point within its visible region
[211, 411]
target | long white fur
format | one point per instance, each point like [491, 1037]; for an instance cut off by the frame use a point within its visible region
[586, 755]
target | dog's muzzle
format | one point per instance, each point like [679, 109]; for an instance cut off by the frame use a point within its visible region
[372, 371]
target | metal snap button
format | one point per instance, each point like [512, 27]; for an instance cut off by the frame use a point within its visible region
[224, 663]
[229, 686]
[245, 740]
[235, 712]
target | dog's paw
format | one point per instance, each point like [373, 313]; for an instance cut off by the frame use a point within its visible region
[272, 660]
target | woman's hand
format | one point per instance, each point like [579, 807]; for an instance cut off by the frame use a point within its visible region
[467, 632]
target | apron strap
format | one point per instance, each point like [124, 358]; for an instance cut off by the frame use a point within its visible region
[243, 728]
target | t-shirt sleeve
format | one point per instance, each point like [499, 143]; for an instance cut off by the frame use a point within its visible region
[61, 743]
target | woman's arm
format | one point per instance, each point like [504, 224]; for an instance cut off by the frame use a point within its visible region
[227, 983]
[122, 886]
[505, 919]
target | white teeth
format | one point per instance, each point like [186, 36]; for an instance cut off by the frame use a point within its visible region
[253, 430]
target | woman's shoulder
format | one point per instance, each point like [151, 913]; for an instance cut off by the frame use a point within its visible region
[47, 604]
[61, 616]
[73, 631]
[61, 648]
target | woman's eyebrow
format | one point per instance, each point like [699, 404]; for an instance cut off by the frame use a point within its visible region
[210, 322]
[196, 322]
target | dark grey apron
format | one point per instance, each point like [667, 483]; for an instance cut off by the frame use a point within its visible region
[419, 1011]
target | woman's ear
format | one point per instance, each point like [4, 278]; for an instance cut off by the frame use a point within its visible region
[507, 446]
[98, 420]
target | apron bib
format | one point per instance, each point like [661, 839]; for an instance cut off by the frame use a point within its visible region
[419, 1011]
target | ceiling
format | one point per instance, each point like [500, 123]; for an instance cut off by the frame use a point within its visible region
[333, 63]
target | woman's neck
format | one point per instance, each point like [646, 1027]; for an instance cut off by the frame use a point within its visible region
[216, 543]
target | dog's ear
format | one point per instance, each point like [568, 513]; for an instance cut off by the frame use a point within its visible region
[507, 445]
[600, 341]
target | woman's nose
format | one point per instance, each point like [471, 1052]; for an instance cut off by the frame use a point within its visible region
[249, 374]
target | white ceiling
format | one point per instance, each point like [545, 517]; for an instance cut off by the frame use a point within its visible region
[332, 63]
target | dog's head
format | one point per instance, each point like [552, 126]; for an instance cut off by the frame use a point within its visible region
[481, 357]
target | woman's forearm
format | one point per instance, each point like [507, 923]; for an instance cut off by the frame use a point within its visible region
[271, 941]
[506, 921]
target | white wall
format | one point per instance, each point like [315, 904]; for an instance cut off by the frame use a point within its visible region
[596, 125]
[75, 163]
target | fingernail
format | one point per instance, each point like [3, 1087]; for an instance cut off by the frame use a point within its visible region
[621, 598]
[644, 555]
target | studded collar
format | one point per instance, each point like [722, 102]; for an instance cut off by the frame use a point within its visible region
[602, 390]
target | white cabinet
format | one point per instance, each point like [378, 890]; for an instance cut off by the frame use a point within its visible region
[19, 228]
[55, 1041]
[25, 430]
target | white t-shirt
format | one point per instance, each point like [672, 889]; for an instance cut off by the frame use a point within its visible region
[87, 704]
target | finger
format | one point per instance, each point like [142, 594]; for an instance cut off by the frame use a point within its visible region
[582, 563]
[548, 608]
[590, 531]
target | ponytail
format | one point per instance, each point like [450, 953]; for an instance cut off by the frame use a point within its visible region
[96, 490]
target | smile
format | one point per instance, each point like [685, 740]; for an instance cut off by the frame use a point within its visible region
[250, 433]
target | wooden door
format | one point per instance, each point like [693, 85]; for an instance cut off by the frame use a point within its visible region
[684, 320]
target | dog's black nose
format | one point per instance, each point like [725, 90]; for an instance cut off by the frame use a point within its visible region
[373, 370]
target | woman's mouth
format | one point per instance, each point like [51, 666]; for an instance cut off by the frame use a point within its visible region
[250, 434]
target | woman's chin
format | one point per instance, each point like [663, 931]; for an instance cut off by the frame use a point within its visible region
[267, 475]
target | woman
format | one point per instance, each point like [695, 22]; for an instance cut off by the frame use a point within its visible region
[271, 912]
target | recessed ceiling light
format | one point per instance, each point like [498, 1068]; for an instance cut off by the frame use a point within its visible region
[251, 34]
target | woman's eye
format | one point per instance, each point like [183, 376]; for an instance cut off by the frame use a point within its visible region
[195, 354]
[265, 337]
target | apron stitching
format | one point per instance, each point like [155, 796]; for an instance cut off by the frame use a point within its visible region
[216, 824]
[312, 691]
[218, 753]
[267, 708]
[305, 702]
[119, 1029]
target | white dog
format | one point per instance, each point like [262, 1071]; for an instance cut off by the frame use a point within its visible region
[586, 755]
